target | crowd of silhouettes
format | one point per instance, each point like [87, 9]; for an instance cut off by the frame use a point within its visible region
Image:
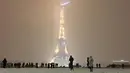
[118, 66]
[5, 64]
[90, 61]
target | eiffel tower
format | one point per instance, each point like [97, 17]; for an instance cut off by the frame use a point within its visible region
[61, 54]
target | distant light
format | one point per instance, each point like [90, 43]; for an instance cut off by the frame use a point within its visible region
[57, 50]
[120, 61]
[66, 50]
[66, 3]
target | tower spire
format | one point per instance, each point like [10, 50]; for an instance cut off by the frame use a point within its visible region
[61, 31]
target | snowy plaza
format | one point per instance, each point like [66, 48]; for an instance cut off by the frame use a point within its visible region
[62, 70]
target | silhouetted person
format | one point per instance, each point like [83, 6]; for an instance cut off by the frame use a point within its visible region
[48, 65]
[56, 65]
[97, 65]
[42, 65]
[91, 63]
[4, 63]
[11, 65]
[71, 59]
[77, 65]
[88, 62]
[36, 65]
[26, 65]
[113, 65]
[14, 65]
[23, 65]
[19, 65]
[52, 65]
[32, 65]
[123, 66]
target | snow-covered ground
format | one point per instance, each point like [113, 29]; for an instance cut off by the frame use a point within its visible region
[81, 70]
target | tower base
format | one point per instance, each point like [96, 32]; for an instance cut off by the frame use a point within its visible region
[61, 60]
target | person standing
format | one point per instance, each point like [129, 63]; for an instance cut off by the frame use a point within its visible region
[91, 63]
[123, 66]
[4, 63]
[71, 59]
[97, 65]
[87, 62]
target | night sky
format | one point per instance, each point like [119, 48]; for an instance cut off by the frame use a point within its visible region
[29, 29]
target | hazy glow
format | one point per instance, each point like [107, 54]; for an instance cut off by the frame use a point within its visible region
[94, 27]
[66, 51]
[66, 3]
[52, 60]
[122, 60]
[57, 50]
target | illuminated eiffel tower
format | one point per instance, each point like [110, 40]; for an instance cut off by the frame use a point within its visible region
[61, 54]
